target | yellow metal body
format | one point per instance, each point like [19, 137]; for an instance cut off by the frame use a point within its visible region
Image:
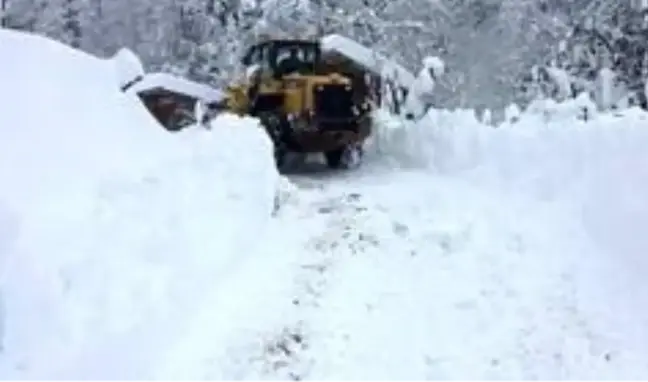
[236, 99]
[297, 90]
[299, 126]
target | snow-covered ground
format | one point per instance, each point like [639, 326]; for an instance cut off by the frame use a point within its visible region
[457, 251]
[499, 253]
[112, 231]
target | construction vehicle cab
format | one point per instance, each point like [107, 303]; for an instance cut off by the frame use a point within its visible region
[306, 102]
[282, 57]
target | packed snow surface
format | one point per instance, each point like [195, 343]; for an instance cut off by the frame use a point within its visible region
[457, 251]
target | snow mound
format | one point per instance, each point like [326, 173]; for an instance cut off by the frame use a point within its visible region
[399, 142]
[595, 162]
[596, 167]
[111, 229]
[451, 141]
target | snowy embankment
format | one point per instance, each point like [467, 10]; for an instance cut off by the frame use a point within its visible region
[521, 252]
[597, 170]
[112, 231]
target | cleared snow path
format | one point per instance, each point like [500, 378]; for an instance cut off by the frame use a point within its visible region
[518, 254]
[409, 275]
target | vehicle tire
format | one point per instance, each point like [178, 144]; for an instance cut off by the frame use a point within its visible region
[280, 157]
[334, 158]
[344, 158]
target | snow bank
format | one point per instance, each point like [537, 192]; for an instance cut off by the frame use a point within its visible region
[599, 165]
[399, 142]
[598, 168]
[550, 152]
[595, 169]
[111, 229]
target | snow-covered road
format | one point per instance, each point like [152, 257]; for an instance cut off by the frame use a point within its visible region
[410, 275]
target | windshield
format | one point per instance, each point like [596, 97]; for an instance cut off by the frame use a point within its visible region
[257, 56]
[300, 58]
[305, 54]
[283, 57]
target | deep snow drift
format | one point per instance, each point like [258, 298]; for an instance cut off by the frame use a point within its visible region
[112, 231]
[457, 251]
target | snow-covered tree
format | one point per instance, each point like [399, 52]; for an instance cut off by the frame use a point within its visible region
[489, 46]
[603, 53]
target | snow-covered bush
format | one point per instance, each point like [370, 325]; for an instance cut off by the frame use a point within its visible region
[421, 94]
[547, 111]
[512, 113]
[605, 57]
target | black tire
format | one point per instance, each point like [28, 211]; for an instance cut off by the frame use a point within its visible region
[334, 158]
[272, 126]
[280, 157]
[341, 158]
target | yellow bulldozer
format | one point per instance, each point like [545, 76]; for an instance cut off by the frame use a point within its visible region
[308, 99]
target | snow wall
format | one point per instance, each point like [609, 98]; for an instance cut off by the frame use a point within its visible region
[111, 229]
[595, 168]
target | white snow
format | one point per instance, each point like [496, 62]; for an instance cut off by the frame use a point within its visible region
[368, 58]
[181, 85]
[512, 113]
[112, 231]
[128, 67]
[435, 64]
[513, 252]
[487, 118]
[458, 251]
[420, 96]
[562, 80]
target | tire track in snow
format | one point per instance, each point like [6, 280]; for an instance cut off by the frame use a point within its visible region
[326, 235]
[444, 282]
[449, 284]
[322, 258]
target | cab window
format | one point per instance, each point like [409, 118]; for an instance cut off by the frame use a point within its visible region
[255, 56]
[303, 53]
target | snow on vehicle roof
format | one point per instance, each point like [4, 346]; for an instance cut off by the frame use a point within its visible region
[368, 58]
[179, 85]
